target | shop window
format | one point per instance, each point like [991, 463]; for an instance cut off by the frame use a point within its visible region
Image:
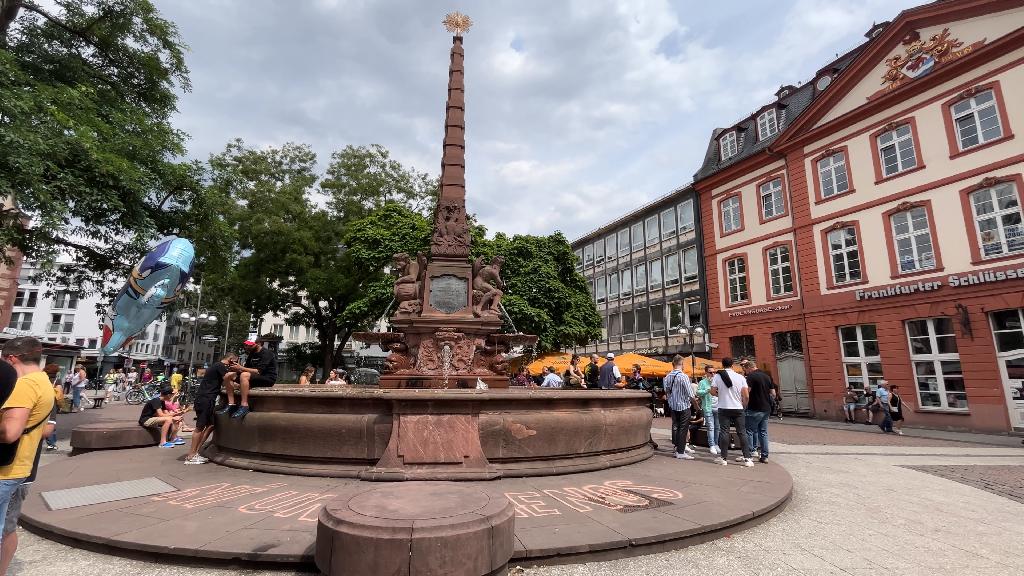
[651, 226]
[21, 321]
[685, 214]
[912, 240]
[658, 320]
[844, 255]
[690, 264]
[862, 365]
[833, 175]
[26, 298]
[731, 214]
[736, 274]
[780, 271]
[637, 232]
[610, 250]
[668, 223]
[640, 278]
[936, 361]
[654, 277]
[727, 145]
[623, 242]
[588, 255]
[767, 124]
[773, 201]
[1008, 327]
[628, 325]
[671, 269]
[613, 286]
[976, 120]
[997, 219]
[742, 347]
[598, 252]
[896, 150]
[626, 283]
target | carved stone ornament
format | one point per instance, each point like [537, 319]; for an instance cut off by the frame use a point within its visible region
[409, 285]
[431, 357]
[451, 233]
[906, 205]
[826, 153]
[488, 287]
[838, 225]
[971, 92]
[988, 182]
[399, 360]
[490, 358]
[891, 126]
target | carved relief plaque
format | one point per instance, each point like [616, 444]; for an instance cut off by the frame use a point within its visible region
[448, 293]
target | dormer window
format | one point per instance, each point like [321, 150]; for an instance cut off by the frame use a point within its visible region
[767, 124]
[728, 146]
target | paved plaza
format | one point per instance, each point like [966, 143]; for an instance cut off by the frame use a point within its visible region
[863, 503]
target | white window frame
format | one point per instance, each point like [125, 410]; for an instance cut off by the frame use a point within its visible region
[863, 360]
[976, 113]
[732, 207]
[684, 212]
[670, 270]
[21, 320]
[776, 200]
[626, 278]
[598, 252]
[613, 281]
[935, 358]
[1010, 236]
[64, 325]
[623, 246]
[651, 239]
[579, 260]
[780, 270]
[25, 298]
[293, 333]
[727, 145]
[700, 312]
[676, 318]
[835, 170]
[600, 289]
[689, 275]
[638, 239]
[844, 252]
[65, 300]
[736, 278]
[904, 151]
[922, 257]
[668, 229]
[652, 266]
[610, 242]
[637, 287]
[277, 330]
[767, 124]
[588, 255]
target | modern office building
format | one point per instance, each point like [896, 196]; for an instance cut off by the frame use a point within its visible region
[867, 224]
[646, 275]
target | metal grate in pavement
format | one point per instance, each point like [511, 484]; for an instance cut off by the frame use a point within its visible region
[100, 493]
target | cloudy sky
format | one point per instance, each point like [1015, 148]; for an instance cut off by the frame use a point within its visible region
[577, 111]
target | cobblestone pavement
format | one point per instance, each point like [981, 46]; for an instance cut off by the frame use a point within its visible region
[1006, 481]
[864, 504]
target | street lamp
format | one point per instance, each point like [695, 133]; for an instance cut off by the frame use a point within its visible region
[694, 333]
[198, 316]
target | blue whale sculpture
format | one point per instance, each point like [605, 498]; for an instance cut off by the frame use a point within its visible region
[154, 283]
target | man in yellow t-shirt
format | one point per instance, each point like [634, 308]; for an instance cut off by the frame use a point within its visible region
[24, 415]
[176, 380]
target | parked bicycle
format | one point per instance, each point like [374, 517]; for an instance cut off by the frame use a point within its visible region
[140, 393]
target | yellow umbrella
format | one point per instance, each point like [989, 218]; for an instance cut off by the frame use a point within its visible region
[557, 360]
[701, 362]
[649, 367]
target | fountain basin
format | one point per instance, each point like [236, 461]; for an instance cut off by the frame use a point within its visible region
[430, 434]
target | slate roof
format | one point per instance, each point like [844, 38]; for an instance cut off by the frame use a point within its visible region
[788, 108]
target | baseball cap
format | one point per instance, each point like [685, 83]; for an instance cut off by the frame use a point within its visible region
[609, 355]
[249, 343]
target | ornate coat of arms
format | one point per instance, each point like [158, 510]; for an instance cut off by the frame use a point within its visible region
[921, 57]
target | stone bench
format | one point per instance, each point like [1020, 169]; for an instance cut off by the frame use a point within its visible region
[112, 435]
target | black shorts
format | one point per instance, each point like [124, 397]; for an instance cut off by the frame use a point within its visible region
[260, 381]
[204, 410]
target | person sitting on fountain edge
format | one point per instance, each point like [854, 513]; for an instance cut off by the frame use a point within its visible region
[260, 371]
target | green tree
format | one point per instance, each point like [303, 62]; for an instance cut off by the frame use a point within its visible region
[317, 255]
[90, 158]
[546, 296]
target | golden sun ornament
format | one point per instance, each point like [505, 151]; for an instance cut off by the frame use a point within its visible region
[457, 23]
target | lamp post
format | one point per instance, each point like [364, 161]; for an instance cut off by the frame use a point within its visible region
[198, 317]
[692, 333]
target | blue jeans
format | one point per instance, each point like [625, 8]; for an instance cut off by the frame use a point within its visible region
[76, 397]
[711, 422]
[757, 430]
[7, 489]
[886, 424]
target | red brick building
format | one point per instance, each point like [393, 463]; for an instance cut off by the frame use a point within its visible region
[867, 225]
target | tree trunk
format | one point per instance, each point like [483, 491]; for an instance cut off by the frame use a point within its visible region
[339, 352]
[327, 353]
[8, 12]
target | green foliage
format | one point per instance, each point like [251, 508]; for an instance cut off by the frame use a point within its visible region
[546, 296]
[87, 91]
[316, 265]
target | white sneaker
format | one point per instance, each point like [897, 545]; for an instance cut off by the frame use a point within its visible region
[714, 450]
[900, 432]
[684, 456]
[740, 459]
[748, 462]
[196, 460]
[688, 448]
[200, 458]
[721, 461]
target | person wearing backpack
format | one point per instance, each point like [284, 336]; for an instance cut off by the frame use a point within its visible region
[24, 415]
[680, 398]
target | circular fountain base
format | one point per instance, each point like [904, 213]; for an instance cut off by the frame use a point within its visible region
[408, 434]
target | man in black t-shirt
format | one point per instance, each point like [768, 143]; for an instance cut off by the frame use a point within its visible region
[759, 407]
[206, 398]
[260, 371]
[155, 415]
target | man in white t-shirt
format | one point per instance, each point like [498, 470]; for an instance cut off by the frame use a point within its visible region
[731, 389]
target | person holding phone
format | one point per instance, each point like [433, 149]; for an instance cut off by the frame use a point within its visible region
[206, 398]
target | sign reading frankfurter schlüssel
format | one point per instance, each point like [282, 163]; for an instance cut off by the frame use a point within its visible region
[955, 280]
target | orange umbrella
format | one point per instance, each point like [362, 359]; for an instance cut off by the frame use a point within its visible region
[557, 360]
[649, 367]
[701, 362]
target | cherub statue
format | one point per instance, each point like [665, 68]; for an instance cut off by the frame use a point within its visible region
[409, 286]
[488, 287]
